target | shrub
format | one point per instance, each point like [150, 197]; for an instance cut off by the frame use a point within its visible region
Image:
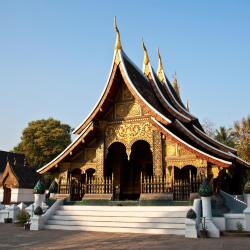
[53, 188]
[191, 214]
[205, 190]
[239, 227]
[247, 187]
[38, 211]
[39, 187]
[22, 217]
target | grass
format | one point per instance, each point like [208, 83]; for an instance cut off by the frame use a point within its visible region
[129, 203]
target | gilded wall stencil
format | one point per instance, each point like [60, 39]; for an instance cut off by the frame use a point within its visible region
[100, 159]
[63, 177]
[124, 107]
[157, 153]
[179, 157]
[126, 95]
[128, 109]
[171, 150]
[90, 155]
[128, 132]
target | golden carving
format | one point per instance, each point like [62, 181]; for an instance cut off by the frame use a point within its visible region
[171, 150]
[129, 132]
[127, 110]
[179, 157]
[180, 163]
[90, 154]
[126, 94]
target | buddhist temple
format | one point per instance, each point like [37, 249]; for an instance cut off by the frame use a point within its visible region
[141, 142]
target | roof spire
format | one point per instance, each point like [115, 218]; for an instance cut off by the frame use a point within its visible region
[176, 86]
[146, 58]
[160, 71]
[118, 44]
[146, 69]
[187, 105]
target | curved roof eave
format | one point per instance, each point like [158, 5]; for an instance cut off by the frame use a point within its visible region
[163, 117]
[64, 153]
[76, 130]
[179, 107]
[213, 141]
[165, 102]
[202, 143]
[200, 152]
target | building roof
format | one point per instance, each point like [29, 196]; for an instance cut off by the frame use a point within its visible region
[163, 104]
[12, 157]
[22, 176]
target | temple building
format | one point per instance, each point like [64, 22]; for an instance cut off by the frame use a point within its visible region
[141, 142]
[17, 180]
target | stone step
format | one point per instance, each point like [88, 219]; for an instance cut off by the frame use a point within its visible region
[117, 224]
[119, 219]
[120, 229]
[164, 214]
[123, 219]
[126, 208]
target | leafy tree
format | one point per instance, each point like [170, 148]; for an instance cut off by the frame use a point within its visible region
[43, 140]
[225, 136]
[209, 127]
[242, 134]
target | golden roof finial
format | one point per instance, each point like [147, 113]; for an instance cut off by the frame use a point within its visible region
[146, 58]
[160, 71]
[118, 44]
[187, 105]
[175, 85]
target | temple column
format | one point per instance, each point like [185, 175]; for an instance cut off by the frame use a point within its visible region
[100, 159]
[157, 154]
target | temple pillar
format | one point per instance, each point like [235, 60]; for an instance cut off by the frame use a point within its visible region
[157, 154]
[100, 159]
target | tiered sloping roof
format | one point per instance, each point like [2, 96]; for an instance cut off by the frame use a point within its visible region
[156, 94]
[24, 176]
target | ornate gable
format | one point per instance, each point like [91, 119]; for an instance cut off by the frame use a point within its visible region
[125, 106]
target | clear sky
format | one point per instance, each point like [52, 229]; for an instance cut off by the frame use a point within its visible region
[55, 56]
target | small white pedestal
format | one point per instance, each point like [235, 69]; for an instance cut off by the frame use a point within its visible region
[191, 229]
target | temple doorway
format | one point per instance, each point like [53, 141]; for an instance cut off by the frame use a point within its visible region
[76, 179]
[6, 195]
[116, 164]
[186, 181]
[141, 163]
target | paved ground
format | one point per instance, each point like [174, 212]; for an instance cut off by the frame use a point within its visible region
[12, 237]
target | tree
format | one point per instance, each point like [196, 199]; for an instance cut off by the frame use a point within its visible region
[225, 136]
[43, 140]
[209, 127]
[242, 134]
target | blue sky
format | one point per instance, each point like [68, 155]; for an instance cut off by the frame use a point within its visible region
[55, 56]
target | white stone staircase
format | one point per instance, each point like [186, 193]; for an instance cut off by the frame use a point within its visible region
[123, 219]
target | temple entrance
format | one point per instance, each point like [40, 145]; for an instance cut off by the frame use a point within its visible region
[116, 164]
[185, 182]
[6, 195]
[76, 179]
[141, 163]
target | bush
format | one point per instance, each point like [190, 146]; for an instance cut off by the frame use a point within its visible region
[22, 217]
[38, 211]
[39, 187]
[191, 214]
[247, 187]
[239, 227]
[53, 188]
[205, 190]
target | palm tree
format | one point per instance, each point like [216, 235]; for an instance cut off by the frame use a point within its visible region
[225, 136]
[242, 135]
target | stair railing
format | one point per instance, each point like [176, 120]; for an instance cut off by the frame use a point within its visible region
[233, 203]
